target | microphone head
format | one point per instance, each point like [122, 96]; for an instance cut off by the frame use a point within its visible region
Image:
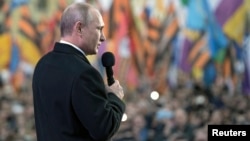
[108, 59]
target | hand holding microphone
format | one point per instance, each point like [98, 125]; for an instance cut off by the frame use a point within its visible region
[117, 89]
[108, 60]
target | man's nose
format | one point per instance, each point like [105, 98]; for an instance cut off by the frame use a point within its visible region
[102, 38]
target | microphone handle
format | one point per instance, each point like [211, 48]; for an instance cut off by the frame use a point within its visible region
[110, 77]
[111, 80]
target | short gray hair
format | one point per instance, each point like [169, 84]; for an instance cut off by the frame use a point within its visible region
[74, 13]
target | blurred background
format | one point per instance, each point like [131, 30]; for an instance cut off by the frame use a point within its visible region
[183, 64]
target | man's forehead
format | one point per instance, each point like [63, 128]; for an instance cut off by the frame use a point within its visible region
[99, 17]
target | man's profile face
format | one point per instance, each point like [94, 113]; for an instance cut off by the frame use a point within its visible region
[94, 33]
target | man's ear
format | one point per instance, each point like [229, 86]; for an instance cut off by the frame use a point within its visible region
[78, 27]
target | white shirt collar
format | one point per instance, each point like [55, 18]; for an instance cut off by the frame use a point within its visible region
[74, 46]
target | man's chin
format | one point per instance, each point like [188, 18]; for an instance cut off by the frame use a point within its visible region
[97, 50]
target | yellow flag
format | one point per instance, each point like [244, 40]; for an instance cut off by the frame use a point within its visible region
[29, 51]
[5, 50]
[235, 26]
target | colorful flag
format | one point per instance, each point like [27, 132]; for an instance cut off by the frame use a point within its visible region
[197, 16]
[231, 16]
[216, 38]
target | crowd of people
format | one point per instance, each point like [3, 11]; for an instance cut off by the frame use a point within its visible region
[184, 113]
[181, 114]
[17, 113]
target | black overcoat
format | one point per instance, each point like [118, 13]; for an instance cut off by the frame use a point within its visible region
[70, 100]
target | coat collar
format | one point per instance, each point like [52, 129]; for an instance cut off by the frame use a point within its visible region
[65, 48]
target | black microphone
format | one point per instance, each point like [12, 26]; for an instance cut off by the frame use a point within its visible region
[108, 60]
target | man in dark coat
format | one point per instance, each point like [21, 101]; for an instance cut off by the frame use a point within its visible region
[71, 100]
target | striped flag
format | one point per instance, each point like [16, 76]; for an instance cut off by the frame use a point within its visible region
[231, 15]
